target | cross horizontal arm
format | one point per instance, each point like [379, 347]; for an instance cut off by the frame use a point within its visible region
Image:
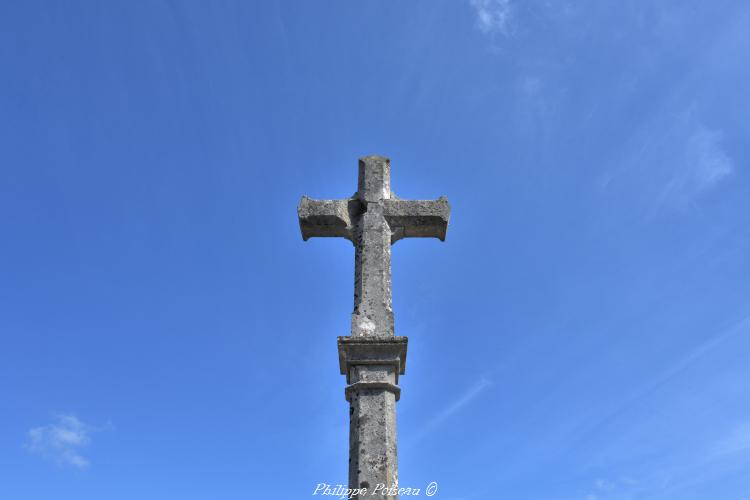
[327, 218]
[417, 218]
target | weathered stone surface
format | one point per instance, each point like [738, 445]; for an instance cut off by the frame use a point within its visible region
[327, 217]
[372, 367]
[417, 218]
[364, 351]
[373, 310]
[372, 429]
[374, 183]
[372, 358]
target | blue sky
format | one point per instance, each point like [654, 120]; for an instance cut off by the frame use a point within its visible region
[582, 334]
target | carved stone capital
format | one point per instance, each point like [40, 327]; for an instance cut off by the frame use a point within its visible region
[387, 351]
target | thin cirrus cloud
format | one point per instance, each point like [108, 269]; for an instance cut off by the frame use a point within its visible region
[673, 162]
[467, 397]
[703, 165]
[738, 441]
[493, 16]
[609, 489]
[61, 441]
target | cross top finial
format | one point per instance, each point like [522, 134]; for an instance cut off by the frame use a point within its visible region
[374, 183]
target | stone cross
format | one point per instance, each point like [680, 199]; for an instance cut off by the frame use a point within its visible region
[372, 358]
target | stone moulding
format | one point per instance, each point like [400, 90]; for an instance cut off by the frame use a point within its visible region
[363, 386]
[372, 351]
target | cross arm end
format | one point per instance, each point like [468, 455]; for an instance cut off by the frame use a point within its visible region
[418, 218]
[325, 218]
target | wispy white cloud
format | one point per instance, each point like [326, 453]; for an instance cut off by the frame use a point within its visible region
[674, 157]
[707, 459]
[465, 399]
[673, 162]
[703, 165]
[493, 16]
[737, 441]
[604, 484]
[453, 408]
[610, 489]
[742, 325]
[61, 441]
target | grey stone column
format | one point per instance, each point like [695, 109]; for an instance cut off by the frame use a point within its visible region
[372, 367]
[372, 358]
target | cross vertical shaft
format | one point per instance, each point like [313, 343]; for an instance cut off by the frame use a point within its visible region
[373, 311]
[372, 357]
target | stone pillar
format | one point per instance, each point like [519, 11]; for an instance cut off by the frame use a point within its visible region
[372, 358]
[372, 367]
